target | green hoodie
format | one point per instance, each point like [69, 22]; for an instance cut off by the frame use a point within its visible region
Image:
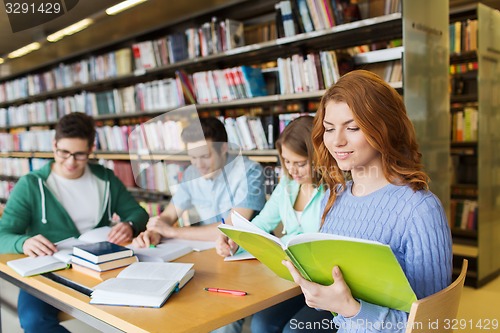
[33, 209]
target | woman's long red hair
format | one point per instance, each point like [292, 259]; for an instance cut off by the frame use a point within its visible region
[381, 115]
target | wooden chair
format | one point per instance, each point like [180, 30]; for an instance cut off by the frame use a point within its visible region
[436, 313]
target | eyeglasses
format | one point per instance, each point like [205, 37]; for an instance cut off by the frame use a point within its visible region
[78, 156]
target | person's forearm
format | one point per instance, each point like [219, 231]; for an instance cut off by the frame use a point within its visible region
[203, 233]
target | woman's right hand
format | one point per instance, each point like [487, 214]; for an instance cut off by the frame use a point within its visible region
[224, 246]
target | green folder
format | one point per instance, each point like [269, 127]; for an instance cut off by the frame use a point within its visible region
[370, 268]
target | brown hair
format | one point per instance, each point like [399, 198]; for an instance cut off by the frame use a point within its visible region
[381, 115]
[211, 129]
[297, 137]
[76, 125]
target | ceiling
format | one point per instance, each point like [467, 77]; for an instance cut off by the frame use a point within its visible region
[106, 30]
[146, 17]
[11, 41]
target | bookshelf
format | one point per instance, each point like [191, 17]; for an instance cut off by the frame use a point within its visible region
[423, 60]
[475, 187]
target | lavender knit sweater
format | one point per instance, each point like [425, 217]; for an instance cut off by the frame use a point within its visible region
[414, 225]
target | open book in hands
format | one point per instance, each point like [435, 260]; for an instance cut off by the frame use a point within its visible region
[147, 284]
[59, 260]
[370, 269]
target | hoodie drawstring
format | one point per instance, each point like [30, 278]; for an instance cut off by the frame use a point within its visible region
[42, 193]
[110, 216]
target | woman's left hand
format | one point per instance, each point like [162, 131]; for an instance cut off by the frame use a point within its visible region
[336, 297]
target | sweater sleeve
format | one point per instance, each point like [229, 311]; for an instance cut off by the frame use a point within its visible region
[269, 218]
[124, 204]
[426, 245]
[16, 218]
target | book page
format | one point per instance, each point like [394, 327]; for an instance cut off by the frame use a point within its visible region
[91, 236]
[240, 256]
[193, 244]
[241, 223]
[35, 265]
[315, 236]
[162, 252]
[136, 286]
[95, 235]
[156, 271]
[64, 255]
[68, 243]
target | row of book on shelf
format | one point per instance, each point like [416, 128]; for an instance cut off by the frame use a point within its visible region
[464, 124]
[463, 214]
[463, 36]
[201, 87]
[17, 167]
[246, 132]
[215, 36]
[212, 37]
[464, 67]
[156, 176]
[294, 17]
[295, 74]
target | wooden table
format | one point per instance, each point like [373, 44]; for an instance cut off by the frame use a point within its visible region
[190, 310]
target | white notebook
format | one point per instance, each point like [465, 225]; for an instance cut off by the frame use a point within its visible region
[30, 266]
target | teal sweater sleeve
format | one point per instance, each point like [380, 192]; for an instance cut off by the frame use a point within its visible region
[269, 217]
[16, 218]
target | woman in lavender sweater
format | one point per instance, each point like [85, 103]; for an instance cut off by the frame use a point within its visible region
[362, 133]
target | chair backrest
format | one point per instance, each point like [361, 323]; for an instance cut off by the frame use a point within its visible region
[435, 313]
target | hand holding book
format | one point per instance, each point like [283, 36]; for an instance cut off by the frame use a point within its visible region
[336, 298]
[369, 268]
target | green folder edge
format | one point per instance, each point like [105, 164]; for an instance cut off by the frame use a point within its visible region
[366, 267]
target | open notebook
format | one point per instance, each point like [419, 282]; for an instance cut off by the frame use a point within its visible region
[61, 259]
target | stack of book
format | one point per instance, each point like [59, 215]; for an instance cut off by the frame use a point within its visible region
[101, 260]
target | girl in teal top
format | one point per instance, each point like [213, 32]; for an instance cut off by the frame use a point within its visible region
[295, 202]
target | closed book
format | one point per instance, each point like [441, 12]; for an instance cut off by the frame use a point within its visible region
[104, 266]
[101, 252]
[145, 284]
[96, 274]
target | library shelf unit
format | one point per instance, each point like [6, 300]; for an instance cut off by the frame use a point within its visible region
[476, 155]
[422, 26]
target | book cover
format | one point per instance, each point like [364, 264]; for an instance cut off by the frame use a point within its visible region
[253, 81]
[145, 284]
[101, 252]
[234, 36]
[96, 274]
[104, 266]
[370, 269]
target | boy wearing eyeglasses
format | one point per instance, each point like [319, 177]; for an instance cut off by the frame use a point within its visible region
[65, 198]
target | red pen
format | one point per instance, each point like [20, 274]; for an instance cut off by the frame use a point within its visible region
[227, 291]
